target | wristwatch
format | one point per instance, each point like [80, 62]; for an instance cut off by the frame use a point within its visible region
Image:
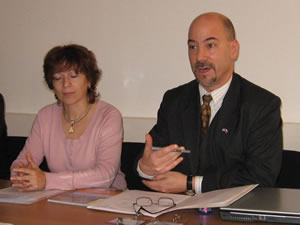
[189, 185]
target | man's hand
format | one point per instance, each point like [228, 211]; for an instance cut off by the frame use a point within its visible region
[172, 182]
[159, 161]
[29, 177]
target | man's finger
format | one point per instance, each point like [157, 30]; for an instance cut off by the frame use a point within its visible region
[150, 184]
[172, 165]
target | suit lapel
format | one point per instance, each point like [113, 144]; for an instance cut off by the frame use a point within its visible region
[191, 125]
[229, 112]
[227, 118]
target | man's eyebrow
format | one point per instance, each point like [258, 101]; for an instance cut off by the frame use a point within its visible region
[210, 39]
[205, 40]
[189, 41]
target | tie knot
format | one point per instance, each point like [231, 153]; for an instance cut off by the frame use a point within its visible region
[206, 99]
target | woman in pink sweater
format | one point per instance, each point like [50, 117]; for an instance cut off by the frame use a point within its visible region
[80, 135]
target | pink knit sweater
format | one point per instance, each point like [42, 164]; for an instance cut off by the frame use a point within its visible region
[93, 160]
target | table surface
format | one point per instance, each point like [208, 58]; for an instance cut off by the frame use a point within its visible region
[44, 213]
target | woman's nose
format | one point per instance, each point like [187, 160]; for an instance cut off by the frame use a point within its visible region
[67, 82]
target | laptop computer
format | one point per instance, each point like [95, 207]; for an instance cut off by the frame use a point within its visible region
[279, 205]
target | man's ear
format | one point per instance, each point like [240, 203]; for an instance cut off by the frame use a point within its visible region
[235, 49]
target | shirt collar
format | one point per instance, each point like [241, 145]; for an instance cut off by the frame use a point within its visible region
[218, 94]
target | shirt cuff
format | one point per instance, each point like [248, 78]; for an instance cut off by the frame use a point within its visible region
[143, 175]
[198, 184]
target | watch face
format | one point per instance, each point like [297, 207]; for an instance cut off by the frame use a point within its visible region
[189, 192]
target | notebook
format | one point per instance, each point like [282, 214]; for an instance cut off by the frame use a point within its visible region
[280, 205]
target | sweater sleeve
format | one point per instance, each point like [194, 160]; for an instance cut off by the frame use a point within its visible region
[33, 145]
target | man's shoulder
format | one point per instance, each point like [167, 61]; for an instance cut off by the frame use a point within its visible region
[254, 92]
[184, 89]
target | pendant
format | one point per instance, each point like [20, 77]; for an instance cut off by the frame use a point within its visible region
[71, 130]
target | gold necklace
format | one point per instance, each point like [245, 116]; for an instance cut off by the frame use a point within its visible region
[73, 122]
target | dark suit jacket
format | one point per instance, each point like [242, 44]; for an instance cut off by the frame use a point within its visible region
[3, 138]
[3, 131]
[244, 141]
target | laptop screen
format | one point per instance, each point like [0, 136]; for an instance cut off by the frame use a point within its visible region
[265, 205]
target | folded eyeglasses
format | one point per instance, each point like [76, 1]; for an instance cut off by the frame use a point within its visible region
[146, 204]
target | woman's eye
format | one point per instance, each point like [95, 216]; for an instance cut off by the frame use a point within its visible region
[56, 77]
[74, 74]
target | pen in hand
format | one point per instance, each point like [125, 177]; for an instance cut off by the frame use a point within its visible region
[176, 150]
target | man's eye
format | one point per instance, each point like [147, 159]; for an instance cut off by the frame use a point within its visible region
[192, 46]
[211, 45]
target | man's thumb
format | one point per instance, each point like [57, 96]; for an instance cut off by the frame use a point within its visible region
[148, 146]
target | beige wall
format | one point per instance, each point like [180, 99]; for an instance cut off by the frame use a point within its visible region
[141, 47]
[135, 129]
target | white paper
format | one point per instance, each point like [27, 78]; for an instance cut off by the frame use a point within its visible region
[12, 195]
[217, 198]
[77, 198]
[123, 203]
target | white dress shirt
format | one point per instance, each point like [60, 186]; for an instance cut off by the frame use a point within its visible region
[215, 104]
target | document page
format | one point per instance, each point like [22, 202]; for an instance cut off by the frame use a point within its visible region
[12, 195]
[81, 197]
[123, 203]
[217, 198]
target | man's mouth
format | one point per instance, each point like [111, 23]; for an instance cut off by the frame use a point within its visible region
[203, 67]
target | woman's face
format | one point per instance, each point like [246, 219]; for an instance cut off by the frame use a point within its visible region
[70, 87]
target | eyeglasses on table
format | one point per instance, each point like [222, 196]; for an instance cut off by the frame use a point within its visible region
[146, 204]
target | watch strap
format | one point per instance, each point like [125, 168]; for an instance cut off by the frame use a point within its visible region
[189, 185]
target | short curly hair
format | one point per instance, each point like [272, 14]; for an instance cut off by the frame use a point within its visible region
[76, 57]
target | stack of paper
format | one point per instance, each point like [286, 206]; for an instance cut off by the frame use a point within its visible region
[79, 198]
[12, 195]
[123, 203]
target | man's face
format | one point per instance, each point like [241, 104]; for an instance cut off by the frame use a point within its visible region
[211, 52]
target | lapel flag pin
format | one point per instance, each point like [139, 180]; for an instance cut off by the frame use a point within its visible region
[225, 131]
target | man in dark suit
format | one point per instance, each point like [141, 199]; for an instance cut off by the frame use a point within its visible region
[243, 143]
[3, 137]
[3, 130]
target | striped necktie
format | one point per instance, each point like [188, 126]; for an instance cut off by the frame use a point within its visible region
[205, 113]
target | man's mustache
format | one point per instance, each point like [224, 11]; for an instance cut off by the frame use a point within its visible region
[201, 64]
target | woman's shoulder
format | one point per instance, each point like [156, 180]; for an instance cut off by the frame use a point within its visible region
[108, 118]
[106, 108]
[48, 110]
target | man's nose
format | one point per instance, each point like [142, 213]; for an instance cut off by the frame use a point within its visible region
[201, 54]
